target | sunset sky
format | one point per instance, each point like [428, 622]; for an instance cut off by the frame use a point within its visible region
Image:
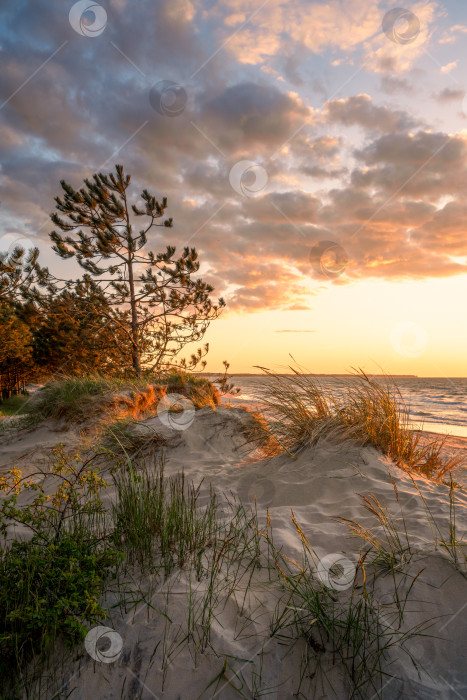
[313, 152]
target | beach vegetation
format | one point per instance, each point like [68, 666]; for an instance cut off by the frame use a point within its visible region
[299, 411]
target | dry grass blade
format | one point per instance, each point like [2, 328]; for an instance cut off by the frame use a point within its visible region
[299, 411]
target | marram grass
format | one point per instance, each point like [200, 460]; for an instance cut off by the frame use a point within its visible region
[77, 399]
[299, 411]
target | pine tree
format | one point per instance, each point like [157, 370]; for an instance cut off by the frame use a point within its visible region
[16, 362]
[157, 307]
[19, 271]
[71, 332]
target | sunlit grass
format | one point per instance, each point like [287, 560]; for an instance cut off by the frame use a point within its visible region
[300, 411]
[77, 399]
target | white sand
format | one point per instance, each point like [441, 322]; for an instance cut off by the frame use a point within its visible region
[321, 483]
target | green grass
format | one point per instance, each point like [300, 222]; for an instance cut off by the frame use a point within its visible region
[161, 519]
[78, 398]
[299, 412]
[14, 405]
[120, 438]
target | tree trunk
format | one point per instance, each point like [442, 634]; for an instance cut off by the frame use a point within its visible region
[135, 350]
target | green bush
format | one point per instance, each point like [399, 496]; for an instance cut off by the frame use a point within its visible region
[50, 585]
[49, 589]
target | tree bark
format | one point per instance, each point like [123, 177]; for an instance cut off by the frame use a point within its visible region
[135, 351]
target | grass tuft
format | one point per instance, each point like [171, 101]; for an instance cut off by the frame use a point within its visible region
[300, 411]
[13, 406]
[161, 519]
[79, 399]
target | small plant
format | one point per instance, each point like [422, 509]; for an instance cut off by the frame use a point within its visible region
[225, 385]
[451, 544]
[129, 437]
[394, 550]
[159, 519]
[49, 589]
[51, 584]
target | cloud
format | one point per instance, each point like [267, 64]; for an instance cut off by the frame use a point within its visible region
[252, 116]
[450, 95]
[448, 67]
[360, 110]
[390, 192]
[453, 34]
[392, 84]
[395, 56]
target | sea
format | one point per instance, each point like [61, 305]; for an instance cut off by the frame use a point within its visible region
[436, 404]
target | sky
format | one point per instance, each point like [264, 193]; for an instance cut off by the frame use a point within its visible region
[314, 153]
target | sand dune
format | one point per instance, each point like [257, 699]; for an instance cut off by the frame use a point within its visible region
[322, 483]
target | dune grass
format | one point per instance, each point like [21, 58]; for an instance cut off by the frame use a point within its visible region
[160, 525]
[78, 399]
[198, 389]
[129, 437]
[343, 621]
[299, 411]
[14, 405]
[161, 519]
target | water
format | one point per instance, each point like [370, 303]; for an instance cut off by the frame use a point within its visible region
[436, 404]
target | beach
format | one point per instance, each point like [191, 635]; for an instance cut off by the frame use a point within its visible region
[295, 537]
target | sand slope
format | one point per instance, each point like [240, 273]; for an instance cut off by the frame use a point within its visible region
[324, 482]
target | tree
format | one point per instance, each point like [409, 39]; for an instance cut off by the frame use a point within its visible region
[71, 331]
[19, 271]
[15, 350]
[157, 307]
